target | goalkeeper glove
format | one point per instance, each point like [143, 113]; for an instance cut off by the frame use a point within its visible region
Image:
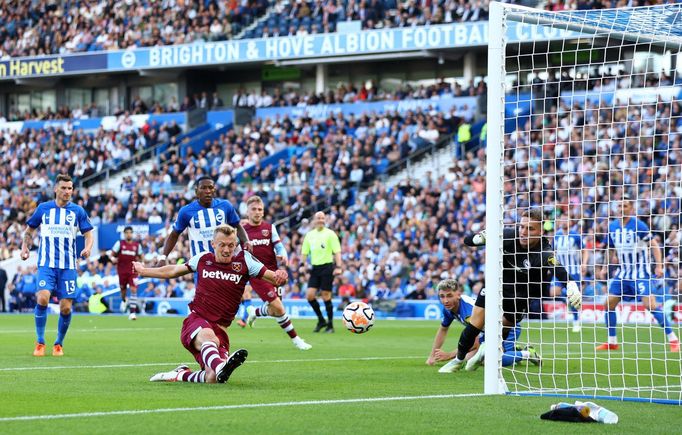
[575, 298]
[479, 238]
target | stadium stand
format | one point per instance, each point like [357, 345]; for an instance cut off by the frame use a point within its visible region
[410, 240]
[47, 27]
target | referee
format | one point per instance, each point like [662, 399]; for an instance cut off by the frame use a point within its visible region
[324, 248]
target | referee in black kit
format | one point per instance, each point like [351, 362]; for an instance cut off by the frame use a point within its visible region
[325, 249]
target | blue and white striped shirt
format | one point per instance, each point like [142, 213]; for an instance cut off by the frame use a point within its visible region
[203, 221]
[58, 229]
[466, 306]
[631, 243]
[568, 252]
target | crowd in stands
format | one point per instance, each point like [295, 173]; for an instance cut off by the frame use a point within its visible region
[31, 159]
[350, 93]
[398, 242]
[299, 17]
[44, 27]
[48, 27]
[583, 5]
[275, 97]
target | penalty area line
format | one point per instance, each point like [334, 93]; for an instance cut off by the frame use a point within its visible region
[229, 407]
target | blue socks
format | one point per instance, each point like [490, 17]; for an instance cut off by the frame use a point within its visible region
[510, 358]
[611, 322]
[246, 303]
[62, 327]
[40, 314]
[575, 313]
[660, 318]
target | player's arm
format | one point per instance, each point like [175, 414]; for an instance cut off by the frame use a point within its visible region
[169, 244]
[441, 334]
[336, 249]
[258, 270]
[475, 239]
[27, 241]
[244, 238]
[115, 251]
[168, 271]
[658, 257]
[573, 294]
[85, 228]
[87, 249]
[280, 251]
[27, 238]
[305, 247]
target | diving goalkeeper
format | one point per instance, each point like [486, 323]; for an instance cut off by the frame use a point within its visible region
[529, 265]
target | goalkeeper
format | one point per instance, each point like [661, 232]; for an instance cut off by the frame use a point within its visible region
[528, 265]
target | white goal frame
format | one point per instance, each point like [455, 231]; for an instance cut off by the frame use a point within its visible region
[640, 30]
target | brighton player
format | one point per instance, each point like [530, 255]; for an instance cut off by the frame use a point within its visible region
[59, 222]
[202, 216]
[268, 248]
[632, 242]
[124, 253]
[528, 267]
[568, 247]
[221, 278]
[457, 306]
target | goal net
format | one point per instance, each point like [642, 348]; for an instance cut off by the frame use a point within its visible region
[585, 125]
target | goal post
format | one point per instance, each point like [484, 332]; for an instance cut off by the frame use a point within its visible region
[585, 124]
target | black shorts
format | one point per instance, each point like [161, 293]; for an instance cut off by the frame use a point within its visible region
[322, 277]
[513, 309]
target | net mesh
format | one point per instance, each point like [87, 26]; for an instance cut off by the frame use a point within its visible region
[593, 125]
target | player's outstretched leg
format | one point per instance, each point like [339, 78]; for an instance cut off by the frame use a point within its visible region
[174, 375]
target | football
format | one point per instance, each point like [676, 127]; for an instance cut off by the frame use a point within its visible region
[358, 317]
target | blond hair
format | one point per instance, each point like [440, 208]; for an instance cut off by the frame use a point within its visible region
[225, 229]
[254, 198]
[533, 214]
[449, 285]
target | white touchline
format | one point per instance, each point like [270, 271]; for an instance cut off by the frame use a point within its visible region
[584, 356]
[28, 331]
[114, 366]
[226, 407]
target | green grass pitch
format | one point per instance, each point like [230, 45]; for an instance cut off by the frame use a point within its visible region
[360, 384]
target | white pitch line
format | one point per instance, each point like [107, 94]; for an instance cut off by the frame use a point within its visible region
[28, 331]
[115, 366]
[228, 407]
[592, 357]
